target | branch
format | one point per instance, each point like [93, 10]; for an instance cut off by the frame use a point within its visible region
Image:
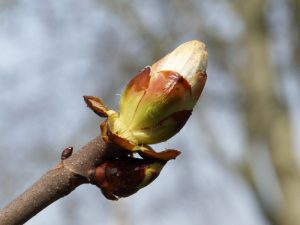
[57, 182]
[176, 83]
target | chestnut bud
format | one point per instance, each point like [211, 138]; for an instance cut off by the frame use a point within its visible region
[122, 178]
[157, 102]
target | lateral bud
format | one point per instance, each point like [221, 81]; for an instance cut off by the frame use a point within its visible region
[122, 178]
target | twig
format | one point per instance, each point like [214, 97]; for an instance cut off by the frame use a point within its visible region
[57, 182]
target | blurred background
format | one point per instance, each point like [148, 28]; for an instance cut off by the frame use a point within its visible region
[240, 161]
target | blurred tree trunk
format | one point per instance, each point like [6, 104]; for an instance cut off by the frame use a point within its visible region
[267, 118]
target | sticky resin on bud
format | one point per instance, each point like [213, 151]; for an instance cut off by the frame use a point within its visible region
[122, 178]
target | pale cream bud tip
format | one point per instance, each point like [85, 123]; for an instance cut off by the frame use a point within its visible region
[187, 59]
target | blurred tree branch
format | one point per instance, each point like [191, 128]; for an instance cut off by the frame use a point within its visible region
[266, 116]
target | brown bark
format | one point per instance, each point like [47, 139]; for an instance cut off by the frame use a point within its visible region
[57, 182]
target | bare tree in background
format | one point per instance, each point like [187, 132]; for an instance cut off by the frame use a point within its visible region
[267, 118]
[245, 59]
